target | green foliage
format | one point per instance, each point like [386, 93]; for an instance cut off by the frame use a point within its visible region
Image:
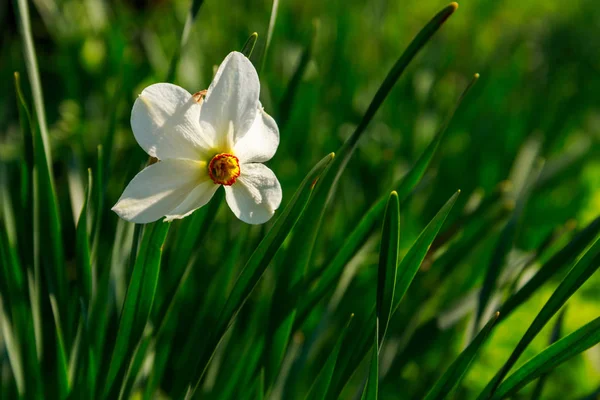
[329, 299]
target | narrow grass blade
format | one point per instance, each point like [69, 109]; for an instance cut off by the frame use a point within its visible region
[189, 22]
[303, 242]
[412, 260]
[138, 303]
[371, 390]
[258, 262]
[319, 388]
[584, 267]
[135, 364]
[84, 264]
[98, 187]
[360, 340]
[287, 101]
[556, 334]
[301, 246]
[333, 270]
[26, 233]
[388, 263]
[455, 373]
[571, 345]
[523, 176]
[497, 262]
[416, 173]
[248, 47]
[272, 22]
[82, 372]
[13, 350]
[48, 222]
[551, 267]
[17, 315]
[62, 372]
[21, 8]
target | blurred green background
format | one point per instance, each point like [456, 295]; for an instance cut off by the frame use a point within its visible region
[539, 92]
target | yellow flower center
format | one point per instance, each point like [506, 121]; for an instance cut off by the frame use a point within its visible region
[224, 169]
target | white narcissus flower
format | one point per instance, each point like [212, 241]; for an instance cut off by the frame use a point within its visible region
[202, 145]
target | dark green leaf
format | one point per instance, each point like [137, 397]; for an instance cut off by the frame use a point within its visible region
[84, 264]
[388, 263]
[371, 391]
[249, 45]
[556, 334]
[412, 260]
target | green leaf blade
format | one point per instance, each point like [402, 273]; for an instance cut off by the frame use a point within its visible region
[412, 261]
[554, 355]
[583, 268]
[258, 262]
[388, 263]
[138, 303]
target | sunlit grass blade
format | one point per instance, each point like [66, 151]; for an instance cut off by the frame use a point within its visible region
[388, 263]
[559, 352]
[248, 47]
[135, 364]
[258, 262]
[319, 388]
[371, 390]
[455, 373]
[560, 260]
[556, 334]
[187, 28]
[21, 8]
[138, 303]
[272, 21]
[412, 260]
[584, 267]
[84, 264]
[11, 342]
[61, 369]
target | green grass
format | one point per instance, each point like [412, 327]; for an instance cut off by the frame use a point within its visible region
[349, 291]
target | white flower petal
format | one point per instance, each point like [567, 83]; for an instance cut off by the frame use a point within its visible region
[231, 103]
[158, 189]
[255, 195]
[164, 120]
[260, 143]
[196, 199]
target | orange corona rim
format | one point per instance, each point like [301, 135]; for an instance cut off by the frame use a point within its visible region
[224, 169]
